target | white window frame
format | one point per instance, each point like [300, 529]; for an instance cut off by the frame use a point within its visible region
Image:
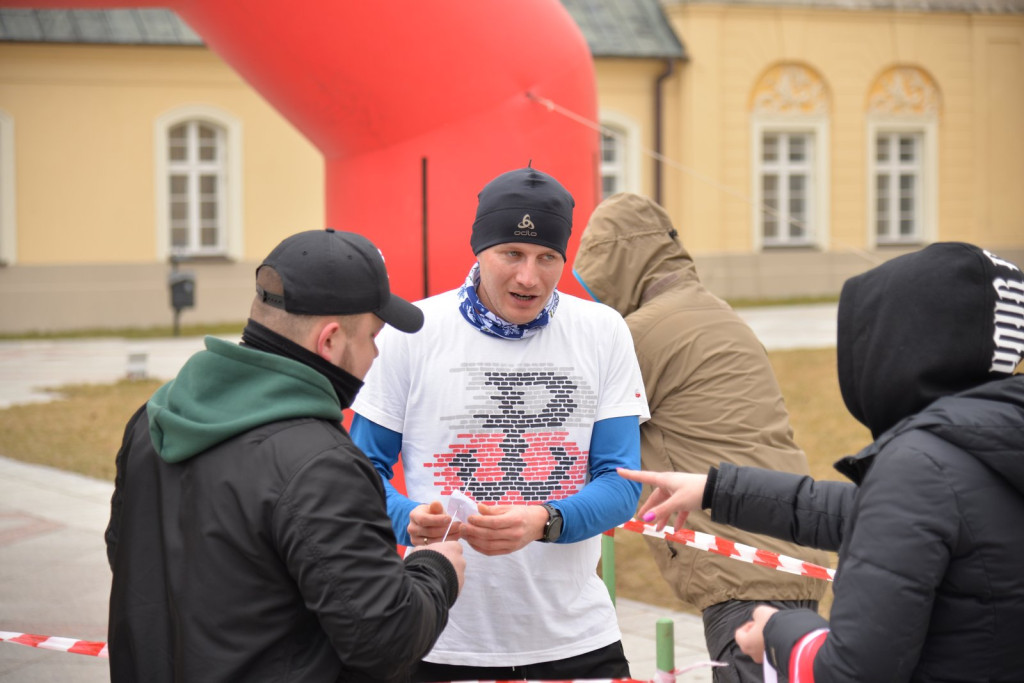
[230, 186]
[8, 215]
[819, 183]
[928, 191]
[626, 170]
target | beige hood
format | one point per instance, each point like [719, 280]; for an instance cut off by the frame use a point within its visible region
[629, 253]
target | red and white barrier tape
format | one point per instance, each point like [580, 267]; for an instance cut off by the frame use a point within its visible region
[78, 647]
[689, 537]
[737, 551]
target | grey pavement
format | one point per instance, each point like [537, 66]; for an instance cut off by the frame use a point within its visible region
[54, 578]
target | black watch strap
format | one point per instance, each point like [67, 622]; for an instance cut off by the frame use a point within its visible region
[553, 527]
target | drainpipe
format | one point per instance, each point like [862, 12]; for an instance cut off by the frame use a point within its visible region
[658, 99]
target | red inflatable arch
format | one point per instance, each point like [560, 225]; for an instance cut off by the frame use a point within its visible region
[415, 106]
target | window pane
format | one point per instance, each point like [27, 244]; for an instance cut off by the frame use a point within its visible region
[609, 185]
[177, 143]
[908, 204]
[882, 204]
[908, 148]
[179, 185]
[179, 212]
[208, 184]
[797, 205]
[770, 196]
[179, 237]
[882, 148]
[797, 148]
[207, 143]
[609, 148]
[770, 148]
[208, 237]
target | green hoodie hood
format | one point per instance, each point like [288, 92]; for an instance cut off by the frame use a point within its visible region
[229, 389]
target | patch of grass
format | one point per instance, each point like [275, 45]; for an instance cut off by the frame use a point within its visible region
[81, 431]
[223, 329]
[822, 427]
[790, 301]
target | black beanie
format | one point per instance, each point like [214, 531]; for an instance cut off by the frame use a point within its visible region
[925, 325]
[524, 205]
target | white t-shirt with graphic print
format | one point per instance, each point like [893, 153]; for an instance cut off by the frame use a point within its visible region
[509, 422]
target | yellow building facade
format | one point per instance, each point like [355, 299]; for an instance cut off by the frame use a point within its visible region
[794, 145]
[88, 138]
[807, 141]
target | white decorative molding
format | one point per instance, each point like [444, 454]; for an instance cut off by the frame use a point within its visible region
[904, 91]
[790, 89]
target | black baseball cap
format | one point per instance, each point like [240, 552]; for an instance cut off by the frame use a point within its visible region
[328, 272]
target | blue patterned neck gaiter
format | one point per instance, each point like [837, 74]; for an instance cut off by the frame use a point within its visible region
[477, 315]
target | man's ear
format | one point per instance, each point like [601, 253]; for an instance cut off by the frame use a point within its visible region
[330, 340]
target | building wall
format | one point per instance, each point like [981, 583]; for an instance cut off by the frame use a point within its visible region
[83, 120]
[79, 242]
[976, 62]
[626, 91]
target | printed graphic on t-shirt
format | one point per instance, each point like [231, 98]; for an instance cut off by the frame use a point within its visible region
[515, 443]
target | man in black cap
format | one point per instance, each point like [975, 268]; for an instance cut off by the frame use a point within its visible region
[248, 536]
[523, 400]
[930, 533]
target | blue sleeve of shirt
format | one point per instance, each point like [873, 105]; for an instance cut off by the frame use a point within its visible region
[607, 500]
[382, 446]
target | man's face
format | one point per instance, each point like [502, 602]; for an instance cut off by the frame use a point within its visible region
[517, 278]
[356, 354]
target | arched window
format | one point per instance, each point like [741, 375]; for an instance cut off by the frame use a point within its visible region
[620, 154]
[8, 231]
[613, 161]
[789, 117]
[198, 184]
[902, 120]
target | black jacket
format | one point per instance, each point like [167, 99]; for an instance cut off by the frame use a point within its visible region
[930, 533]
[930, 579]
[250, 542]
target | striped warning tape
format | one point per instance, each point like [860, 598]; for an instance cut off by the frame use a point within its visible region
[737, 551]
[78, 647]
[689, 537]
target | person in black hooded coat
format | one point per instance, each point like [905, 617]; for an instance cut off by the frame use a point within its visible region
[930, 534]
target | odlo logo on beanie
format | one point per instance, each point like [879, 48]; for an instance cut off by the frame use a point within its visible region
[526, 228]
[1009, 316]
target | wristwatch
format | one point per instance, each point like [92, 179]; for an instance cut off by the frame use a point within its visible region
[553, 527]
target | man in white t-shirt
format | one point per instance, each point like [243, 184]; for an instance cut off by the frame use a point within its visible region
[524, 400]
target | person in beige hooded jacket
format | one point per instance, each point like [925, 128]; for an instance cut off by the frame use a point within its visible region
[713, 398]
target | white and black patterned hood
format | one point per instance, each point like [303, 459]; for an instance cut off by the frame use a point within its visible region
[926, 325]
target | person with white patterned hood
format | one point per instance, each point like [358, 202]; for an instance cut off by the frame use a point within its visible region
[525, 400]
[930, 533]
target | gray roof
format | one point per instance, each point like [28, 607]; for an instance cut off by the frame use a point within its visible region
[613, 28]
[955, 6]
[121, 26]
[626, 28]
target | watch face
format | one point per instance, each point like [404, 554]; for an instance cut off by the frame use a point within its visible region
[553, 529]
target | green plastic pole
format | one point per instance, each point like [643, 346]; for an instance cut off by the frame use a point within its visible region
[608, 564]
[665, 647]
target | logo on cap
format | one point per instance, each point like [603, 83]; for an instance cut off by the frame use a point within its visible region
[526, 227]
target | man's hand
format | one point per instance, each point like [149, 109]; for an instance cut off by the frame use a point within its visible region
[499, 530]
[675, 493]
[453, 551]
[428, 524]
[750, 636]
